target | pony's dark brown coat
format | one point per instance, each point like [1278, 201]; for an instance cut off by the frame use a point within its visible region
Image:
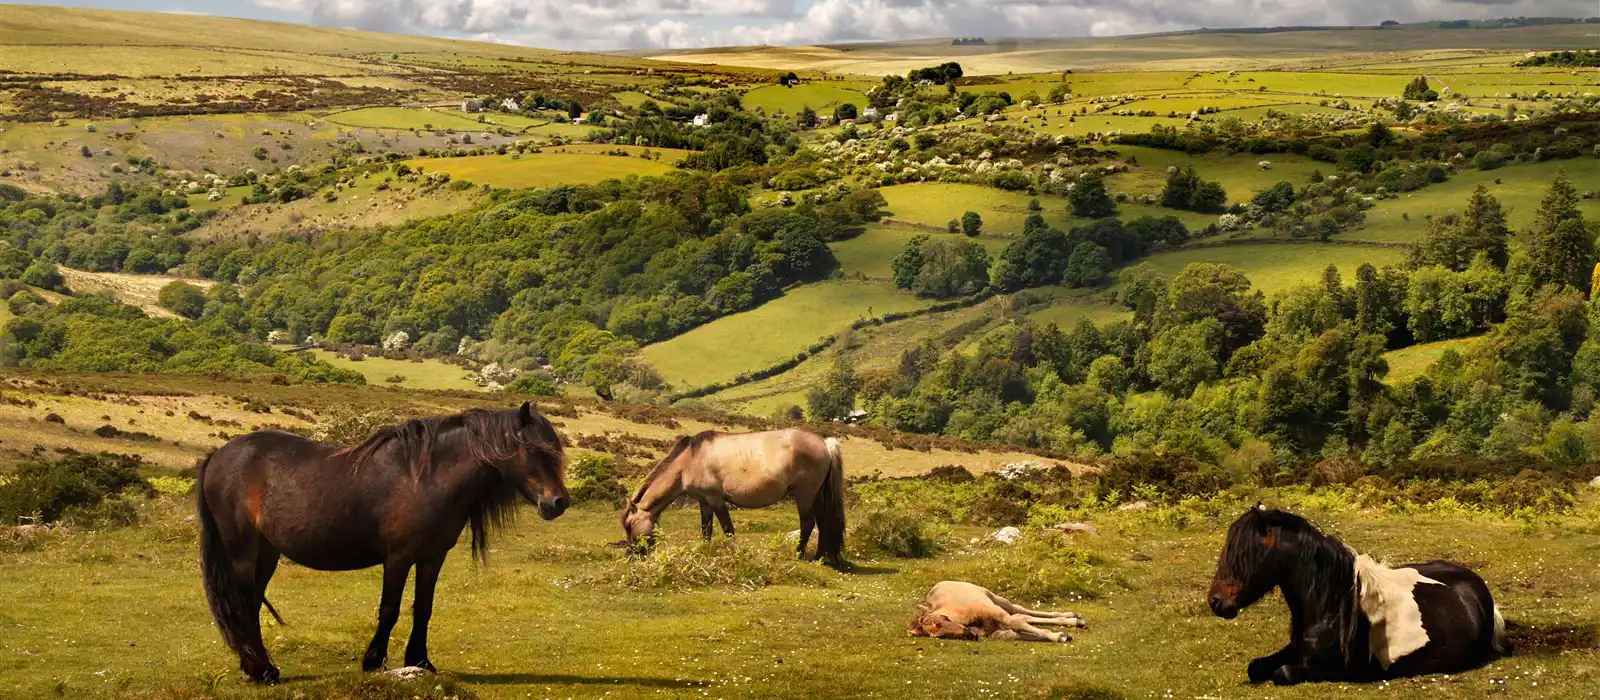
[399, 499]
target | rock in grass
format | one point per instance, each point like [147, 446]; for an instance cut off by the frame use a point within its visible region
[1075, 528]
[406, 673]
[1006, 535]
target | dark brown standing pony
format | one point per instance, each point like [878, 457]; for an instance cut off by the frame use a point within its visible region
[1352, 619]
[400, 499]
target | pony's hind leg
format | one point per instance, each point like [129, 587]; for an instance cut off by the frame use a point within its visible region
[394, 586]
[726, 519]
[1028, 633]
[421, 612]
[808, 522]
[1015, 609]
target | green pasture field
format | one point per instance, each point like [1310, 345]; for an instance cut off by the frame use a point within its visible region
[821, 97]
[1240, 174]
[540, 169]
[872, 253]
[1069, 306]
[426, 374]
[1065, 125]
[934, 204]
[1348, 85]
[870, 349]
[1406, 363]
[1520, 188]
[126, 616]
[409, 118]
[1276, 267]
[772, 332]
[232, 197]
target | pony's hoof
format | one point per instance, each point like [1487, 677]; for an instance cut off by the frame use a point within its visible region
[269, 676]
[424, 664]
[371, 665]
[1063, 638]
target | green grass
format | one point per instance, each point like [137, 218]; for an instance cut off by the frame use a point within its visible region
[1240, 174]
[772, 332]
[1073, 305]
[1278, 267]
[541, 169]
[1406, 363]
[1521, 188]
[125, 615]
[872, 253]
[438, 118]
[936, 203]
[427, 374]
[822, 97]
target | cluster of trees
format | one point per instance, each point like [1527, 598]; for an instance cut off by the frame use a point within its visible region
[1083, 257]
[1210, 368]
[124, 230]
[1419, 90]
[942, 267]
[938, 75]
[95, 334]
[1186, 190]
[1564, 59]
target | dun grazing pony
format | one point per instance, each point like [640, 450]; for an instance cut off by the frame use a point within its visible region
[1351, 618]
[399, 499]
[961, 610]
[748, 470]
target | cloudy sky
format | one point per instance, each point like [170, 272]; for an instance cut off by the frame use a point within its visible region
[617, 24]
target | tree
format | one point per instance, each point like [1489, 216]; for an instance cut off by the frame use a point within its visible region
[1418, 89]
[844, 111]
[44, 275]
[908, 263]
[1560, 248]
[1453, 241]
[1186, 356]
[951, 267]
[1087, 266]
[575, 109]
[1088, 198]
[1275, 198]
[182, 298]
[808, 117]
[835, 397]
[971, 223]
[1186, 190]
[1379, 135]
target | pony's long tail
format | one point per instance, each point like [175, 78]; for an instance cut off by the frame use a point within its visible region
[829, 508]
[231, 606]
[1499, 642]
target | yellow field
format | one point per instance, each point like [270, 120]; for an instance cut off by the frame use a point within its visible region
[541, 169]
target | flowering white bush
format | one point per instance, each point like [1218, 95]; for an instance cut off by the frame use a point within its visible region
[1228, 222]
[399, 340]
[278, 337]
[495, 373]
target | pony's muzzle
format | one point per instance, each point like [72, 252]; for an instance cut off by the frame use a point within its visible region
[553, 508]
[1223, 608]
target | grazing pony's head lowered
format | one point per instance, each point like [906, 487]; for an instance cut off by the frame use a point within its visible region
[1263, 547]
[639, 523]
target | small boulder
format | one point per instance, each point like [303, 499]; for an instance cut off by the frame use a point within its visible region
[1006, 535]
[1136, 505]
[406, 673]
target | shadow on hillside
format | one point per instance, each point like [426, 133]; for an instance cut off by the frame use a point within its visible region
[568, 679]
[862, 570]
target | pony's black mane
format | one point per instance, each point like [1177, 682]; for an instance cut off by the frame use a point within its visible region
[684, 444]
[1318, 582]
[489, 437]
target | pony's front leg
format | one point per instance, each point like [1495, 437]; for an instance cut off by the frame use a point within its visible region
[1261, 670]
[1296, 674]
[421, 612]
[724, 518]
[705, 521]
[394, 586]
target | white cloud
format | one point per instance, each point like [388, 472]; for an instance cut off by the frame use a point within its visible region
[611, 24]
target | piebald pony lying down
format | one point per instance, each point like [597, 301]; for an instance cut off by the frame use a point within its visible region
[960, 610]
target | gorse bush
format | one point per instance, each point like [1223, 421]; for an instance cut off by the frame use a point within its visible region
[594, 478]
[79, 486]
[348, 425]
[893, 533]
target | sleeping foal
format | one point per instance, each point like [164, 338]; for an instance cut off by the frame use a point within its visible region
[960, 610]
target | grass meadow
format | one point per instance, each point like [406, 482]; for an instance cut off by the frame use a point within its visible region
[1275, 267]
[541, 169]
[1413, 361]
[821, 97]
[772, 332]
[442, 118]
[422, 374]
[560, 613]
[1519, 188]
[934, 204]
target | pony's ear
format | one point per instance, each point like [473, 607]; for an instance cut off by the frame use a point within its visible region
[525, 414]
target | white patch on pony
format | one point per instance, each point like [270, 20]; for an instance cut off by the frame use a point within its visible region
[1388, 598]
